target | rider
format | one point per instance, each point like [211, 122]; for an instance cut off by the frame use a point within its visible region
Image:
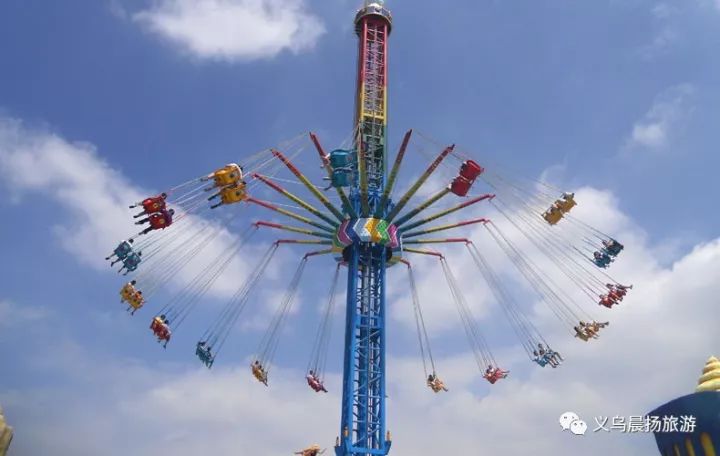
[550, 355]
[566, 202]
[136, 301]
[121, 251]
[229, 195]
[151, 205]
[313, 450]
[160, 327]
[203, 352]
[608, 300]
[601, 259]
[131, 262]
[127, 291]
[612, 247]
[493, 374]
[158, 221]
[617, 290]
[259, 372]
[540, 359]
[315, 382]
[580, 333]
[435, 383]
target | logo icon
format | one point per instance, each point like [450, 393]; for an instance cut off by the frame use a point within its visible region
[571, 421]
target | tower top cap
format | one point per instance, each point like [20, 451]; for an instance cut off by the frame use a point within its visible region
[373, 8]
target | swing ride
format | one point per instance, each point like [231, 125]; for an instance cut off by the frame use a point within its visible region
[357, 221]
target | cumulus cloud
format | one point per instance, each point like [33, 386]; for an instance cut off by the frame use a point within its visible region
[653, 351]
[95, 197]
[234, 30]
[667, 114]
[12, 314]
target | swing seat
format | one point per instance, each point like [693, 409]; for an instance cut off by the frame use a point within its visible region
[542, 362]
[613, 250]
[136, 301]
[582, 336]
[259, 374]
[601, 263]
[227, 175]
[548, 356]
[162, 332]
[205, 356]
[470, 170]
[123, 250]
[160, 220]
[154, 204]
[460, 186]
[160, 329]
[132, 261]
[497, 374]
[437, 385]
[339, 158]
[127, 292]
[316, 385]
[234, 194]
[553, 216]
[565, 205]
[340, 178]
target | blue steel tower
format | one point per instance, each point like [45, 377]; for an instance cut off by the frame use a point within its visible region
[363, 402]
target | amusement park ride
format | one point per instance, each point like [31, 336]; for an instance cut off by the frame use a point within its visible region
[367, 231]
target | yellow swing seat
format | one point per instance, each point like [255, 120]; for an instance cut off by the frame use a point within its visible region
[136, 301]
[565, 204]
[553, 216]
[234, 194]
[227, 175]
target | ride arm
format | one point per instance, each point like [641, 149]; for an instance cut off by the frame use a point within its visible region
[293, 229]
[302, 241]
[290, 214]
[438, 241]
[393, 174]
[295, 199]
[425, 252]
[448, 211]
[445, 227]
[318, 252]
[421, 180]
[322, 198]
[430, 201]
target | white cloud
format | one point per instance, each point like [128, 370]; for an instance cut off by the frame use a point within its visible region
[663, 11]
[669, 110]
[96, 197]
[657, 344]
[12, 314]
[234, 30]
[663, 42]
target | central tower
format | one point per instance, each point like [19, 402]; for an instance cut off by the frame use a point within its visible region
[363, 406]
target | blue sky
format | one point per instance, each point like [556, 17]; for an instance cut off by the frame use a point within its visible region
[619, 99]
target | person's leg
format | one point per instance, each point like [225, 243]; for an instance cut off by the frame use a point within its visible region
[145, 220]
[139, 215]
